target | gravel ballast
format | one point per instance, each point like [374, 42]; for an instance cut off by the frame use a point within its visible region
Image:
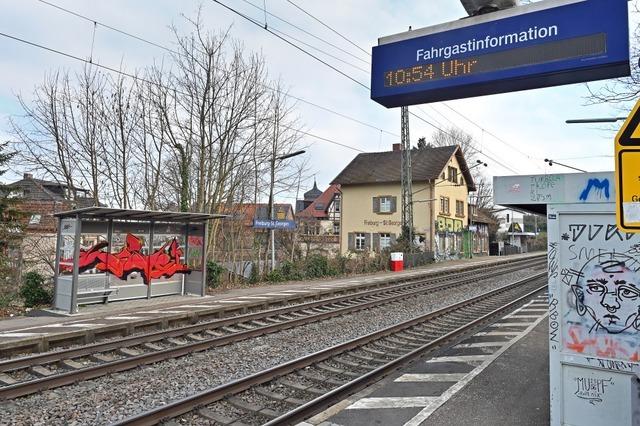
[111, 398]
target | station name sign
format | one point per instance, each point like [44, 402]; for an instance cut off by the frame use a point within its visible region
[274, 224]
[539, 45]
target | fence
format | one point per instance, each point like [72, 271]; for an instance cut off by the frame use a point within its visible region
[412, 260]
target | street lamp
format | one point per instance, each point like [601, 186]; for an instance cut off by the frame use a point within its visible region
[271, 203]
[595, 120]
[552, 162]
[478, 164]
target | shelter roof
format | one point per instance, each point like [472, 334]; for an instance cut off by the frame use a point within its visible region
[147, 215]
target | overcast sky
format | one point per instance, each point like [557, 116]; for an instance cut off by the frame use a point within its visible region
[530, 125]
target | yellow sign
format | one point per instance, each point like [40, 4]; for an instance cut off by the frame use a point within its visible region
[628, 173]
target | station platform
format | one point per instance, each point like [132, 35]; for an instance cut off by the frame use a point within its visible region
[497, 377]
[40, 333]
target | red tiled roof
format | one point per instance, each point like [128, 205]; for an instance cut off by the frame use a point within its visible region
[324, 200]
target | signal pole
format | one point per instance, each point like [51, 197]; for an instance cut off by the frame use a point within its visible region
[406, 178]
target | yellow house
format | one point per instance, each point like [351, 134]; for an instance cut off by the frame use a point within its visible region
[371, 200]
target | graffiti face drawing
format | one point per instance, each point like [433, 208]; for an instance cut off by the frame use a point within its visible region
[610, 293]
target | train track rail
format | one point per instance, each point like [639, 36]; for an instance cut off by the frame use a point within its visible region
[291, 392]
[30, 374]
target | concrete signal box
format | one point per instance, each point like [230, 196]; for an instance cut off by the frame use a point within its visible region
[594, 296]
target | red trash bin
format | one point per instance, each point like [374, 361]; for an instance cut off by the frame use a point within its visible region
[397, 262]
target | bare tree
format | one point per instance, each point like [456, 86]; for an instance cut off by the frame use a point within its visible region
[41, 134]
[198, 135]
[621, 91]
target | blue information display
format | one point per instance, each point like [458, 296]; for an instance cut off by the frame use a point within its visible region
[540, 45]
[274, 224]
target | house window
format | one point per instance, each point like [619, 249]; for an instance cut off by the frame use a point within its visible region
[35, 219]
[336, 228]
[459, 208]
[453, 174]
[444, 205]
[385, 241]
[360, 241]
[385, 204]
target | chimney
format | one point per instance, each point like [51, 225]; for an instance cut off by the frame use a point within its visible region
[396, 147]
[28, 176]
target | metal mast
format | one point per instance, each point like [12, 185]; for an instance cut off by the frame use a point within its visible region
[406, 178]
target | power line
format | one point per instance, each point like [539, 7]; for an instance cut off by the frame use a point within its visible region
[306, 32]
[161, 86]
[253, 21]
[342, 73]
[456, 138]
[108, 27]
[165, 48]
[323, 139]
[250, 20]
[439, 128]
[88, 62]
[327, 26]
[488, 132]
[319, 50]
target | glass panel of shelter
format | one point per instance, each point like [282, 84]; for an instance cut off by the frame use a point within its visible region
[164, 234]
[93, 237]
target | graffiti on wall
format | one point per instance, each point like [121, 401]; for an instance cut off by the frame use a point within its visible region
[597, 188]
[600, 276]
[541, 188]
[164, 262]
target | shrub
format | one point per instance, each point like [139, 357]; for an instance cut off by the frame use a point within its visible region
[275, 276]
[340, 264]
[317, 266]
[254, 277]
[32, 290]
[214, 273]
[290, 271]
[6, 299]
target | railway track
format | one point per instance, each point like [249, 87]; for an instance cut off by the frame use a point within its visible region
[27, 375]
[291, 392]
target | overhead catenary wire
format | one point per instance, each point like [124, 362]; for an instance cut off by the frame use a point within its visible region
[302, 30]
[488, 132]
[169, 50]
[94, 63]
[253, 21]
[328, 27]
[132, 76]
[350, 78]
[452, 109]
[319, 50]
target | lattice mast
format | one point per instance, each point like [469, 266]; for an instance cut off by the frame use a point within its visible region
[406, 177]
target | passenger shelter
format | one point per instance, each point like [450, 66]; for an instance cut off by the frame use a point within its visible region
[105, 254]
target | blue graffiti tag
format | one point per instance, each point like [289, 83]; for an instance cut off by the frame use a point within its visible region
[599, 185]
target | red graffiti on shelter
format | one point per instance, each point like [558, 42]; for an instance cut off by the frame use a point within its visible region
[164, 262]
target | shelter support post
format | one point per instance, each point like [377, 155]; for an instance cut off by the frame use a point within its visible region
[76, 265]
[58, 248]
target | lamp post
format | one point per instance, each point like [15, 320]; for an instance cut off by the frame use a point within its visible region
[271, 202]
[552, 162]
[595, 120]
[478, 164]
